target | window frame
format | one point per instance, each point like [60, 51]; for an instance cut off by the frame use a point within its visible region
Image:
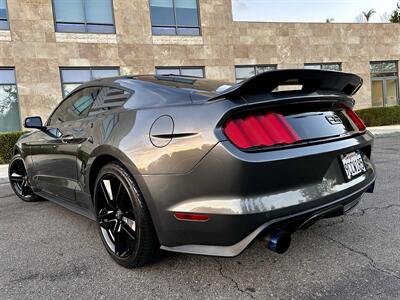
[180, 70]
[384, 81]
[237, 80]
[175, 26]
[16, 88]
[326, 64]
[85, 24]
[82, 68]
[7, 18]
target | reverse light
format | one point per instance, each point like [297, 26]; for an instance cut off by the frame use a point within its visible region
[260, 131]
[356, 119]
[191, 217]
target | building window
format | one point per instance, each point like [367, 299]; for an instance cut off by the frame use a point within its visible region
[174, 17]
[384, 85]
[9, 109]
[3, 15]
[244, 72]
[95, 16]
[184, 71]
[71, 78]
[324, 66]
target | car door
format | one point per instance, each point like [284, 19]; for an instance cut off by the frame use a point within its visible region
[55, 154]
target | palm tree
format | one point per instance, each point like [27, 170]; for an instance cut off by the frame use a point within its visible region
[368, 14]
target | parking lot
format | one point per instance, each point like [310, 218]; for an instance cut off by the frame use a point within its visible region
[47, 251]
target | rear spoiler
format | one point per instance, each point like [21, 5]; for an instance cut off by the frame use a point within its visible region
[311, 80]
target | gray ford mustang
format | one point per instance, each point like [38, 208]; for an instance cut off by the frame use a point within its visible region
[200, 166]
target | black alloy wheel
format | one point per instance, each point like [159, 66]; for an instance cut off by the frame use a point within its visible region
[124, 222]
[19, 180]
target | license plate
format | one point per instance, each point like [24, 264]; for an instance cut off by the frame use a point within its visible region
[353, 165]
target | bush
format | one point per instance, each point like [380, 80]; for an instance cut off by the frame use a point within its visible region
[378, 116]
[7, 142]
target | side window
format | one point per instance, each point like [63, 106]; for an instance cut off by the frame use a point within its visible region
[75, 107]
[109, 98]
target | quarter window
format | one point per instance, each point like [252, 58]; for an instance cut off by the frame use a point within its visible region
[72, 78]
[324, 66]
[174, 17]
[245, 72]
[3, 15]
[95, 16]
[384, 85]
[9, 107]
[184, 71]
[75, 107]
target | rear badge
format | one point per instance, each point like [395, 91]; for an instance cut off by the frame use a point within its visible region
[334, 120]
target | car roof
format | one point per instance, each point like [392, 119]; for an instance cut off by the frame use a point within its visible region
[192, 85]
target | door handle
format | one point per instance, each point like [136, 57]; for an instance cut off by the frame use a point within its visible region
[67, 138]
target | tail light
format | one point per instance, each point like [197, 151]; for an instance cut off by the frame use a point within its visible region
[260, 131]
[356, 119]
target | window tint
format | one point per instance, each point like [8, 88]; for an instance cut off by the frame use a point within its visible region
[84, 16]
[72, 78]
[9, 106]
[244, 72]
[174, 17]
[75, 107]
[324, 66]
[3, 15]
[186, 71]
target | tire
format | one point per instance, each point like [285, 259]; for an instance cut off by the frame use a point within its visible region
[123, 220]
[19, 180]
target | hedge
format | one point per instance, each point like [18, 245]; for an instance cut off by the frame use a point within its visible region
[378, 116]
[7, 142]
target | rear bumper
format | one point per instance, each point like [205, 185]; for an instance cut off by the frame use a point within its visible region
[235, 249]
[245, 193]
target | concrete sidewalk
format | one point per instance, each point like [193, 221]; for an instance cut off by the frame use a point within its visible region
[377, 131]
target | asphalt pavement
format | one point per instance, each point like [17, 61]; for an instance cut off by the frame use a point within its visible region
[49, 252]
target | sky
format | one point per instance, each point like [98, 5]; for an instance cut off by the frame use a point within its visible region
[342, 11]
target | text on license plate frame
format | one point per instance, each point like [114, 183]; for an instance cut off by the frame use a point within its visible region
[353, 165]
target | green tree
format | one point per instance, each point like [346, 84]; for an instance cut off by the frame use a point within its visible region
[395, 16]
[368, 14]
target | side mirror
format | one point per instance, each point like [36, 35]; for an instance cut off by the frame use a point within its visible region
[34, 122]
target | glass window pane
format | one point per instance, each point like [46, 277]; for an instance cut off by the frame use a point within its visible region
[4, 25]
[3, 9]
[313, 66]
[7, 76]
[100, 28]
[331, 67]
[9, 109]
[97, 73]
[377, 93]
[99, 11]
[262, 69]
[195, 72]
[162, 12]
[63, 27]
[391, 92]
[245, 72]
[188, 31]
[69, 87]
[69, 11]
[186, 13]
[75, 76]
[379, 69]
[168, 71]
[164, 31]
[75, 107]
